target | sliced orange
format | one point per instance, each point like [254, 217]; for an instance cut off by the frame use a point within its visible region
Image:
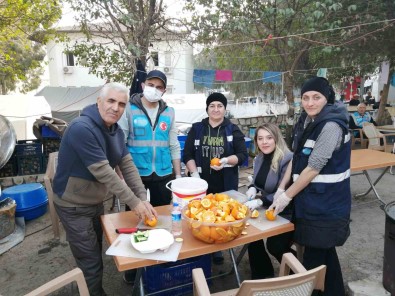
[205, 230]
[270, 215]
[196, 224]
[210, 196]
[255, 214]
[195, 203]
[206, 203]
[221, 197]
[229, 218]
[235, 212]
[243, 209]
[209, 216]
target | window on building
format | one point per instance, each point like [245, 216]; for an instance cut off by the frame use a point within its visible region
[155, 58]
[70, 59]
[167, 59]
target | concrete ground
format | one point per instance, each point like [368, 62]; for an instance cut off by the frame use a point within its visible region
[40, 258]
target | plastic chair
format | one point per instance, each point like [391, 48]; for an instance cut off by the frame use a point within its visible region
[374, 137]
[61, 281]
[358, 138]
[48, 177]
[302, 283]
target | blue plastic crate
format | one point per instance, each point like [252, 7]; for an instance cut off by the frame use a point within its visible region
[30, 165]
[28, 147]
[46, 132]
[169, 275]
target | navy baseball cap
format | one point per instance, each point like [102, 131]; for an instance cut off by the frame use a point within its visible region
[157, 74]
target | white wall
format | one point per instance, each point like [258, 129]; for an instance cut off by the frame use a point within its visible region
[179, 79]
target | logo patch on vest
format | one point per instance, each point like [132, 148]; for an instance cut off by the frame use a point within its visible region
[306, 151]
[163, 126]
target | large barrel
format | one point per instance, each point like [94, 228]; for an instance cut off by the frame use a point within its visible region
[389, 249]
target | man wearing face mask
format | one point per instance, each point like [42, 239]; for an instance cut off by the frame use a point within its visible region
[151, 137]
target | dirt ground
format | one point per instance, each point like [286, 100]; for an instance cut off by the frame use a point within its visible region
[40, 258]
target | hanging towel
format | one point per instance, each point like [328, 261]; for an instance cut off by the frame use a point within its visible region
[274, 77]
[204, 77]
[223, 75]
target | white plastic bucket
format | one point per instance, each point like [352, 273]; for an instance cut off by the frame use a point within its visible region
[187, 189]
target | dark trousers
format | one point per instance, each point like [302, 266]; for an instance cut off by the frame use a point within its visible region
[314, 257]
[85, 235]
[260, 262]
[160, 195]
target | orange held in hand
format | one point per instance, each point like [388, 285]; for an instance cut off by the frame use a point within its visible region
[215, 161]
[151, 222]
[270, 215]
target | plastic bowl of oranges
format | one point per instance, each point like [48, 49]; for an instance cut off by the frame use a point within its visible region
[216, 218]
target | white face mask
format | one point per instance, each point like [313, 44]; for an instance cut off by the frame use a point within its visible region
[152, 94]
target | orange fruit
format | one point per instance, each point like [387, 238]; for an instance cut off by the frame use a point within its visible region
[206, 203]
[209, 216]
[270, 215]
[235, 212]
[205, 231]
[194, 203]
[215, 161]
[255, 214]
[151, 222]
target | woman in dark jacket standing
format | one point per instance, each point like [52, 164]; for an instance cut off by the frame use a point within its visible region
[215, 137]
[321, 181]
[269, 168]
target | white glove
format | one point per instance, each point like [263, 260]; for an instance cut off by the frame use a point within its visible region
[195, 175]
[178, 176]
[277, 194]
[281, 202]
[254, 204]
[223, 162]
[251, 193]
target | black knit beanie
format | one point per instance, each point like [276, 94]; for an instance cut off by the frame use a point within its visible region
[216, 97]
[320, 85]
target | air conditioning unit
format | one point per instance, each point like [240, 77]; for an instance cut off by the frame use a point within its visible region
[68, 70]
[168, 70]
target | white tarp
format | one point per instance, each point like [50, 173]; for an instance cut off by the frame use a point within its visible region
[189, 108]
[22, 111]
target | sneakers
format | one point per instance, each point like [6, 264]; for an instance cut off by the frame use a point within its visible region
[129, 276]
[218, 258]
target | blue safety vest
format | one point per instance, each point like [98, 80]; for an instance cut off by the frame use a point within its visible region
[359, 119]
[149, 147]
[328, 196]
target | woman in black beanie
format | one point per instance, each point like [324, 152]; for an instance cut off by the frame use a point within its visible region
[215, 137]
[320, 170]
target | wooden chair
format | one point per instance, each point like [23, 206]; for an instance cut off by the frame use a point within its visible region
[61, 281]
[48, 177]
[302, 283]
[374, 137]
[359, 138]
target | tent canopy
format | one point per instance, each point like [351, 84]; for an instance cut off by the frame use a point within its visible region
[67, 102]
[22, 111]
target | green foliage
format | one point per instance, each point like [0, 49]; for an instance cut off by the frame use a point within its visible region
[307, 35]
[117, 33]
[24, 26]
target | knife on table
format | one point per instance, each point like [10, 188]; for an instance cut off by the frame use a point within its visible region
[131, 230]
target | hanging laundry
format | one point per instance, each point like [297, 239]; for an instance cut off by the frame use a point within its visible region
[274, 77]
[204, 77]
[223, 75]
